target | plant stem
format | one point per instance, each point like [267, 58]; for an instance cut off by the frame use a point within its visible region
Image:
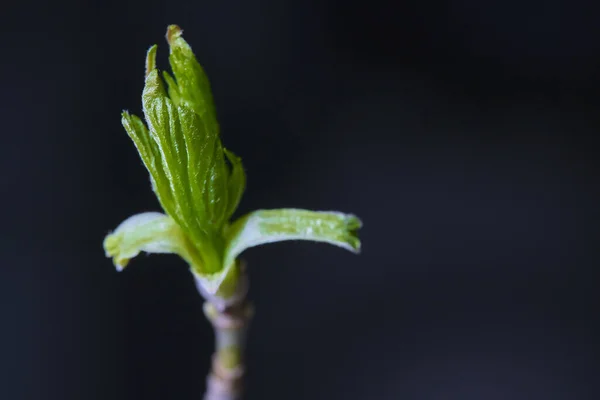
[230, 323]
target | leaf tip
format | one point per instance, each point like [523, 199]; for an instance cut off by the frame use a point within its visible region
[353, 224]
[153, 87]
[173, 32]
[151, 59]
[355, 246]
[127, 121]
[112, 244]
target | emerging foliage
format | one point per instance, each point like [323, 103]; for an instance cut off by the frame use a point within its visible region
[199, 183]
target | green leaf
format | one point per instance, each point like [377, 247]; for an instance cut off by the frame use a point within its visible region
[188, 169]
[166, 133]
[269, 226]
[183, 153]
[150, 154]
[151, 232]
[192, 82]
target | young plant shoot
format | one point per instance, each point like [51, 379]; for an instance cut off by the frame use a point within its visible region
[199, 184]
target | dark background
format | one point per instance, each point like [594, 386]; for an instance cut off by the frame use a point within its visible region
[461, 132]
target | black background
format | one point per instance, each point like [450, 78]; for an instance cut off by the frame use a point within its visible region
[461, 132]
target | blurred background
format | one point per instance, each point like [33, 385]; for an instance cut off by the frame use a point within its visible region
[461, 132]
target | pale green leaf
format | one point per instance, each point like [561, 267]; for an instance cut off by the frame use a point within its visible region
[151, 232]
[269, 226]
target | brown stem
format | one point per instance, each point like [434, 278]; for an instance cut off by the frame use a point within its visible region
[230, 318]
[225, 381]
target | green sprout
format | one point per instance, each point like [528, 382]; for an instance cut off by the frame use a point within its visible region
[199, 183]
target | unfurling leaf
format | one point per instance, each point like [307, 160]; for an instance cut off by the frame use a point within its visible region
[151, 232]
[191, 80]
[269, 226]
